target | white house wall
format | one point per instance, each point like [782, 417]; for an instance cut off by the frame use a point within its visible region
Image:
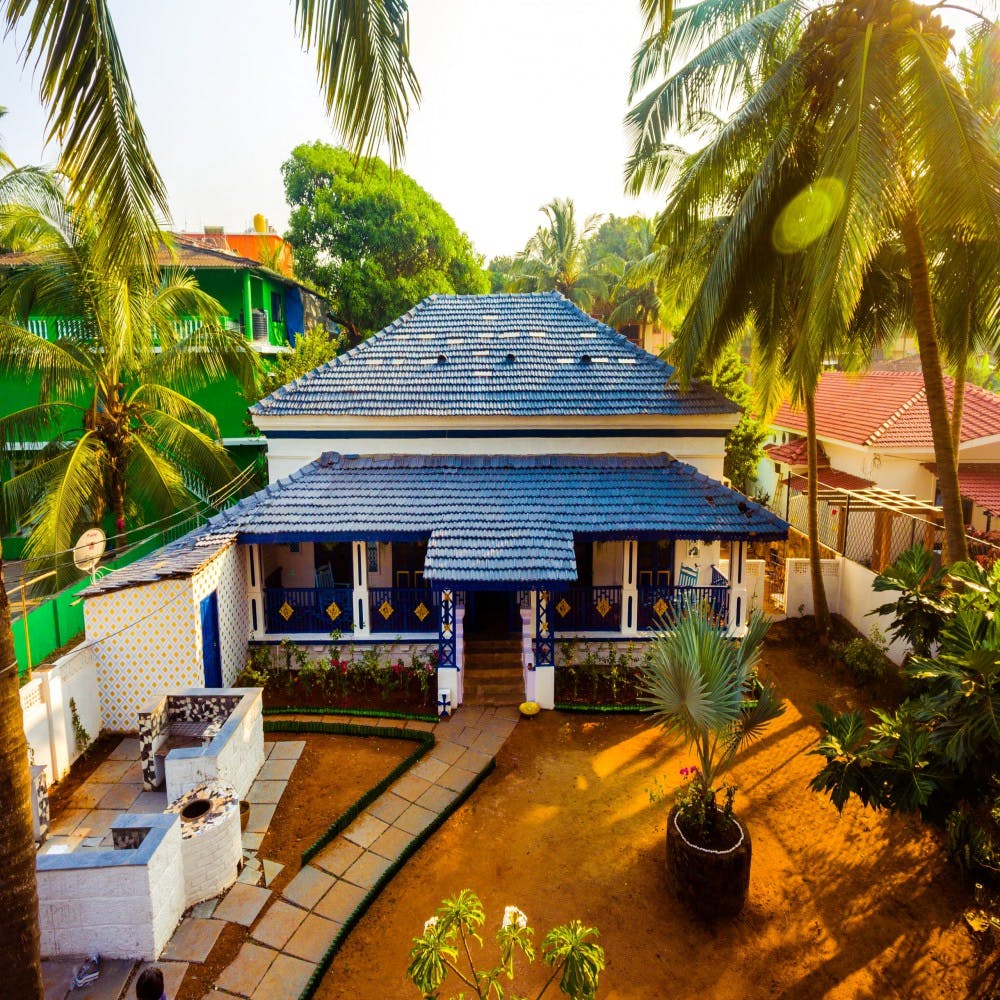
[147, 641]
[889, 471]
[226, 574]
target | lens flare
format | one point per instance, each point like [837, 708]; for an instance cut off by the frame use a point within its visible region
[808, 215]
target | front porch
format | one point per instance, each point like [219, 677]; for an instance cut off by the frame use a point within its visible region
[363, 592]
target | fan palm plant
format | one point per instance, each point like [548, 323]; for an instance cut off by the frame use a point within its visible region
[555, 258]
[896, 148]
[124, 438]
[697, 683]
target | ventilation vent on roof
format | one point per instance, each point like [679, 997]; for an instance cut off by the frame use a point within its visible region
[441, 359]
[510, 358]
[584, 359]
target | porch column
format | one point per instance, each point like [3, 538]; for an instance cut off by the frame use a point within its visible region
[738, 610]
[545, 652]
[362, 626]
[255, 591]
[630, 589]
[447, 671]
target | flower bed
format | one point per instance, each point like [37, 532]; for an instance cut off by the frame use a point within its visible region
[372, 682]
[598, 676]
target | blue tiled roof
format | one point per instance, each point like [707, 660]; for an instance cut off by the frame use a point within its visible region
[493, 519]
[511, 355]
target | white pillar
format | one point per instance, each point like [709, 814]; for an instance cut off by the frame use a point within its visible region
[255, 590]
[630, 589]
[359, 562]
[738, 598]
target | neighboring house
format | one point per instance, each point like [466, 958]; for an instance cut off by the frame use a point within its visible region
[269, 308]
[261, 244]
[496, 468]
[876, 447]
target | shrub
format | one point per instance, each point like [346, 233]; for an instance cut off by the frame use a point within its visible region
[865, 658]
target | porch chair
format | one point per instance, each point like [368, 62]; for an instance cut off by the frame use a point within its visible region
[324, 576]
[688, 576]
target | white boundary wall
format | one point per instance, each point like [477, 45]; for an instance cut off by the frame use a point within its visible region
[48, 717]
[848, 593]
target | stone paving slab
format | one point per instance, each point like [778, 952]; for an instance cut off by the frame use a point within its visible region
[338, 856]
[340, 902]
[429, 768]
[271, 870]
[242, 904]
[150, 802]
[68, 822]
[389, 807]
[447, 752]
[252, 839]
[57, 979]
[410, 788]
[365, 872]
[120, 797]
[173, 976]
[457, 778]
[313, 937]
[365, 830]
[97, 823]
[276, 770]
[390, 845]
[89, 794]
[415, 819]
[436, 799]
[285, 979]
[128, 749]
[308, 887]
[287, 750]
[261, 815]
[268, 747]
[474, 760]
[488, 743]
[249, 967]
[193, 939]
[266, 791]
[110, 771]
[465, 737]
[278, 924]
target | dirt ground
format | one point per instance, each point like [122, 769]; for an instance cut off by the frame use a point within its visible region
[331, 774]
[862, 905]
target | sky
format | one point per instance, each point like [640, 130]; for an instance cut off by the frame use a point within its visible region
[522, 101]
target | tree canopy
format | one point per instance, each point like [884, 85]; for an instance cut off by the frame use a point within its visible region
[371, 238]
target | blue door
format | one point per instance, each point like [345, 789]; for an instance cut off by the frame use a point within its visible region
[211, 655]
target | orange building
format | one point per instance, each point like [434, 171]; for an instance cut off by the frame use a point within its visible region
[261, 244]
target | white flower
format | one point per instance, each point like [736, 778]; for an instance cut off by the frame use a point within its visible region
[430, 924]
[512, 915]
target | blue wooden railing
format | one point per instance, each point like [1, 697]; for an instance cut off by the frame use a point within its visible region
[586, 609]
[309, 609]
[718, 579]
[403, 609]
[661, 605]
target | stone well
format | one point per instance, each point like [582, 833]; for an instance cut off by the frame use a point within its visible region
[211, 842]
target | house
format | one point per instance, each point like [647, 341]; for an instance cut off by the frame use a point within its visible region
[268, 307]
[877, 460]
[487, 468]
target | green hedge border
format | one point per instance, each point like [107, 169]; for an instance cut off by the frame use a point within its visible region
[569, 706]
[426, 741]
[372, 894]
[371, 713]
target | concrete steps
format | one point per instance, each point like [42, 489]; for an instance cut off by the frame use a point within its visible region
[493, 671]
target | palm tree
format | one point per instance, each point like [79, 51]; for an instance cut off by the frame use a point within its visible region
[899, 149]
[555, 258]
[363, 67]
[124, 437]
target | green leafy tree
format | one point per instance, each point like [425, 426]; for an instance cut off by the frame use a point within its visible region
[444, 947]
[557, 258]
[865, 100]
[919, 610]
[123, 435]
[313, 348]
[371, 238]
[500, 271]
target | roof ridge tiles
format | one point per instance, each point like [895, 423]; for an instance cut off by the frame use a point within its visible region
[893, 418]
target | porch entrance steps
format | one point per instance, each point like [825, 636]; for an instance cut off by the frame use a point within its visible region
[493, 673]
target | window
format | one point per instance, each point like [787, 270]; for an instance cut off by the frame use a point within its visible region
[276, 304]
[372, 549]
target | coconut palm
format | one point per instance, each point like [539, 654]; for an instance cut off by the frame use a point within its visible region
[556, 259]
[363, 67]
[899, 150]
[123, 434]
[696, 681]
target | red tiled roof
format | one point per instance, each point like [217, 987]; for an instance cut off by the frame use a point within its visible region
[832, 479]
[794, 452]
[980, 482]
[888, 409]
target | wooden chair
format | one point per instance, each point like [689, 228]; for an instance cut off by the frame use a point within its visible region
[688, 577]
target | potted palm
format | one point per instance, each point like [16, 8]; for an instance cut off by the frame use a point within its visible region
[703, 685]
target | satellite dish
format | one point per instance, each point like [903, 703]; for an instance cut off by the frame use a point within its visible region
[88, 550]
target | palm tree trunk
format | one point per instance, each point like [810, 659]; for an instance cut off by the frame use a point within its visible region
[19, 935]
[961, 374]
[821, 610]
[937, 405]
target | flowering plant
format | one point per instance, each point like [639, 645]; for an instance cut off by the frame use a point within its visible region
[695, 681]
[568, 949]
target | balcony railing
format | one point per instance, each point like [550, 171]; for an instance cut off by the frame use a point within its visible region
[403, 609]
[587, 609]
[661, 605]
[309, 609]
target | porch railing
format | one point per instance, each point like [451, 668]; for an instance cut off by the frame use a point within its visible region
[309, 609]
[403, 609]
[587, 609]
[662, 604]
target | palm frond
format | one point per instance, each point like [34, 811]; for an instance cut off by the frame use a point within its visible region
[92, 116]
[187, 447]
[203, 357]
[154, 482]
[175, 404]
[25, 355]
[362, 52]
[35, 423]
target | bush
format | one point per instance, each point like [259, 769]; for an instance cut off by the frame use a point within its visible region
[865, 658]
